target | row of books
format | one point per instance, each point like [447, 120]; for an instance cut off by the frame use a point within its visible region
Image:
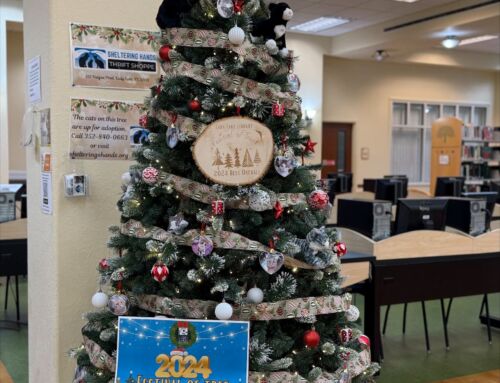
[479, 133]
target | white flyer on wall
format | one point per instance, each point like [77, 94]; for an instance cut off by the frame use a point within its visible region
[46, 192]
[34, 80]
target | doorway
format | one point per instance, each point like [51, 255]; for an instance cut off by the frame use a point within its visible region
[336, 148]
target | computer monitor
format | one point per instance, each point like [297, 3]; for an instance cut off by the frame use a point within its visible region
[8, 194]
[389, 189]
[491, 198]
[403, 179]
[449, 186]
[420, 214]
[342, 182]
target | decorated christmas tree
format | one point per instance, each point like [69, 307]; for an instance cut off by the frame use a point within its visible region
[198, 240]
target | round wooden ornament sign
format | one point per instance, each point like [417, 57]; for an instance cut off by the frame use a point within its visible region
[234, 151]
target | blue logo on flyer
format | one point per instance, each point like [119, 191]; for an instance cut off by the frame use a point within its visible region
[160, 350]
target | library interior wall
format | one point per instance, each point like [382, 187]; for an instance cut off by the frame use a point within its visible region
[361, 91]
[65, 247]
[16, 86]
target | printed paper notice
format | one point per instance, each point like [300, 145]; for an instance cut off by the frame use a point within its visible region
[103, 130]
[34, 80]
[107, 57]
[46, 192]
[444, 159]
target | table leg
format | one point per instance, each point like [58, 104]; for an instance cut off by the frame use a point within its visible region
[488, 321]
[372, 317]
[7, 293]
[17, 298]
[427, 345]
[445, 325]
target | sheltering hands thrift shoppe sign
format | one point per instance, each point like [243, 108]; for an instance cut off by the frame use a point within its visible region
[164, 350]
[105, 130]
[108, 57]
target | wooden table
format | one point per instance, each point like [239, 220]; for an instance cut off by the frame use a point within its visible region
[423, 265]
[11, 230]
[13, 256]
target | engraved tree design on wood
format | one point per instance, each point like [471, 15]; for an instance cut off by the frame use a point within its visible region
[247, 160]
[444, 132]
[229, 161]
[237, 162]
[218, 159]
[256, 159]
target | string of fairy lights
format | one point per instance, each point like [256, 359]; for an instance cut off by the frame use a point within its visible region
[141, 332]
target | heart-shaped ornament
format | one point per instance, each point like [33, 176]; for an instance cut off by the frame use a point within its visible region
[284, 165]
[271, 262]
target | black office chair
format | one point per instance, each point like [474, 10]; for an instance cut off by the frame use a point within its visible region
[426, 331]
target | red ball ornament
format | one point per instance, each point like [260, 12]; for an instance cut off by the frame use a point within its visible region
[311, 338]
[143, 120]
[159, 272]
[340, 249]
[194, 105]
[150, 175]
[318, 199]
[364, 341]
[103, 264]
[164, 53]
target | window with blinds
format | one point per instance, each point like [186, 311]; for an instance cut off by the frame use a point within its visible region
[411, 133]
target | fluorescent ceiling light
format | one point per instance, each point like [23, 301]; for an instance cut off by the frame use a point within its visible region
[320, 24]
[450, 42]
[407, 1]
[478, 39]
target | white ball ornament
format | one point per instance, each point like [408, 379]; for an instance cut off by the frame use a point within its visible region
[99, 300]
[271, 44]
[236, 35]
[272, 47]
[352, 314]
[284, 52]
[260, 201]
[223, 311]
[126, 178]
[255, 295]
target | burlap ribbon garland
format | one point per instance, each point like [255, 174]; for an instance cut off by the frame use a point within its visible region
[99, 357]
[287, 309]
[190, 128]
[357, 363]
[205, 194]
[221, 240]
[201, 38]
[231, 83]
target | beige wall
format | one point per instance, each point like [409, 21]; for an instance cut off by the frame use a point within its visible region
[309, 68]
[360, 92]
[15, 76]
[496, 118]
[64, 248]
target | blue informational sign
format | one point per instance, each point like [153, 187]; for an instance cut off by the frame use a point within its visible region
[161, 350]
